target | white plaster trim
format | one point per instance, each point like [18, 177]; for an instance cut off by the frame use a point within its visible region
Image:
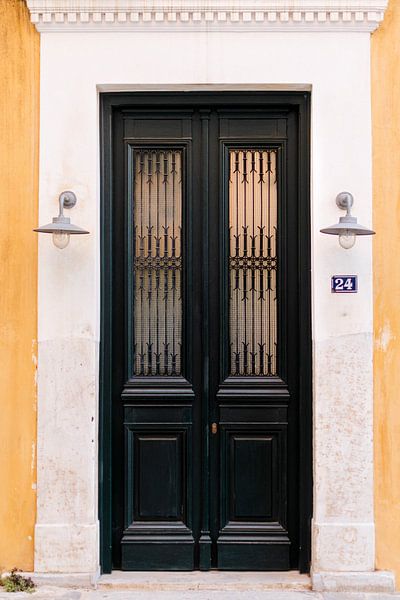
[181, 15]
[334, 581]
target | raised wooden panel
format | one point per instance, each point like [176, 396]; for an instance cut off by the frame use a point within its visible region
[253, 494]
[158, 477]
[254, 476]
[239, 127]
[157, 127]
[154, 413]
[250, 413]
[254, 555]
[251, 484]
[158, 555]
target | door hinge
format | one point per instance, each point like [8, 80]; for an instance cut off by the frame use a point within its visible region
[214, 428]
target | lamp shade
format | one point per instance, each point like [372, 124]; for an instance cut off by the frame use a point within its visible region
[347, 224]
[61, 225]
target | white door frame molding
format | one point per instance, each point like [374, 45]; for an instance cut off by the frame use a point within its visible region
[329, 55]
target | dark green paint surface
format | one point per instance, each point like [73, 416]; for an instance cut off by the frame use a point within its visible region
[172, 494]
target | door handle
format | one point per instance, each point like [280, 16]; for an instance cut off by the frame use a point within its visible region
[214, 428]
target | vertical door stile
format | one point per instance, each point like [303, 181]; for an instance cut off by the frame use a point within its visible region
[205, 538]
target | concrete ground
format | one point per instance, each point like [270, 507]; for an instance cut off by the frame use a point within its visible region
[53, 593]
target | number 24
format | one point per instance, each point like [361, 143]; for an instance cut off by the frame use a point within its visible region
[343, 284]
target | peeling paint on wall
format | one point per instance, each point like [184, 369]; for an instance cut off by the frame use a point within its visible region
[383, 337]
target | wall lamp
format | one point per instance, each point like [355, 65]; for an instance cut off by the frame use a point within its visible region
[61, 227]
[347, 229]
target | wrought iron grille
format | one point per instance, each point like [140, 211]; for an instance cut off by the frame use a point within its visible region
[253, 262]
[158, 262]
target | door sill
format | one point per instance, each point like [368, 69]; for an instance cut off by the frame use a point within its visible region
[204, 581]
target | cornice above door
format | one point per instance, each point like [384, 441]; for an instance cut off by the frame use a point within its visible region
[210, 15]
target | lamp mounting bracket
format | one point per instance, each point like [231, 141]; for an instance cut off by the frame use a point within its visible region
[345, 201]
[67, 199]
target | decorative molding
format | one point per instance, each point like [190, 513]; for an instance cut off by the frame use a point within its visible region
[184, 15]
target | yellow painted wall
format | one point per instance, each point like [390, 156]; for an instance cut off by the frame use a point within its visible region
[386, 159]
[19, 116]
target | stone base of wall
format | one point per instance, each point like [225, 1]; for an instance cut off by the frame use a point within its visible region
[69, 549]
[362, 581]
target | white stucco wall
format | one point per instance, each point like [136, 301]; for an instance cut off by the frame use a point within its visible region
[74, 67]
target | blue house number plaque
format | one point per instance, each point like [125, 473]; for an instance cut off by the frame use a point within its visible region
[344, 284]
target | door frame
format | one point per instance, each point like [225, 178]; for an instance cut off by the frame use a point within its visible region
[299, 101]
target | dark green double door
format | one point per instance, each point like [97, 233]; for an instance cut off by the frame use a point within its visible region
[209, 354]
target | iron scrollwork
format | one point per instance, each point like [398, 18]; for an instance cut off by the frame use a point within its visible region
[158, 262]
[253, 262]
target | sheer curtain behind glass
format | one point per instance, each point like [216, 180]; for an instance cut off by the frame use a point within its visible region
[158, 262]
[253, 262]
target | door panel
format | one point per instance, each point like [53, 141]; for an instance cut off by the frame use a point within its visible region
[162, 454]
[251, 371]
[161, 382]
[206, 336]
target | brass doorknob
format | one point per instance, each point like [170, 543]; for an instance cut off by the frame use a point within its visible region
[214, 428]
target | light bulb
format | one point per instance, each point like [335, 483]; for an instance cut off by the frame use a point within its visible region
[61, 239]
[347, 239]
